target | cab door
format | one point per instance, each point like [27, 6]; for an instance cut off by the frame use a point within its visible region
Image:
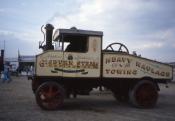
[84, 60]
[89, 62]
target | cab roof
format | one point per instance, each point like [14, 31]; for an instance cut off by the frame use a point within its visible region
[74, 31]
[80, 32]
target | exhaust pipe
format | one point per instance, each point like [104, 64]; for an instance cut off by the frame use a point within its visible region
[49, 31]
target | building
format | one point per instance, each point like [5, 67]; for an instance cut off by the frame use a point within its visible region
[26, 61]
[22, 64]
[13, 62]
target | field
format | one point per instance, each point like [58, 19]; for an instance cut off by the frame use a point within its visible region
[17, 103]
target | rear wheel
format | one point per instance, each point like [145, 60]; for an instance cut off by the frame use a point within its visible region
[144, 94]
[50, 96]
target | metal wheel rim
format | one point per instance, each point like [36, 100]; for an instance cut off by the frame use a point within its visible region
[50, 96]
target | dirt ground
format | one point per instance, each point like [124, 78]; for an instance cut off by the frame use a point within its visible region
[17, 103]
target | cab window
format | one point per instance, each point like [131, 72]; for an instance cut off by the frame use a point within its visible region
[75, 43]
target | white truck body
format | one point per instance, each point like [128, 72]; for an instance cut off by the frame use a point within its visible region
[90, 64]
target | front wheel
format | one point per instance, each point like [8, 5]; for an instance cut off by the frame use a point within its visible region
[144, 94]
[50, 96]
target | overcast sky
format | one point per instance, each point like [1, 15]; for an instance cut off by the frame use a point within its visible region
[145, 26]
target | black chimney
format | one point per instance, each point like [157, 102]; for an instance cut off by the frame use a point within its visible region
[49, 31]
[2, 61]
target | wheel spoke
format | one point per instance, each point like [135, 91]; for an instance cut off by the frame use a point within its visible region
[120, 48]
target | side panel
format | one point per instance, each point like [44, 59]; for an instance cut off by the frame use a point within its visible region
[129, 66]
[50, 63]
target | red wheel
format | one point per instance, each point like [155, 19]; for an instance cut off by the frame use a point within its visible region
[144, 94]
[50, 96]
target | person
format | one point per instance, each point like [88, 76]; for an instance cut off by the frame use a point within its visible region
[73, 47]
[1, 75]
[31, 70]
[9, 73]
[6, 74]
[18, 70]
[69, 47]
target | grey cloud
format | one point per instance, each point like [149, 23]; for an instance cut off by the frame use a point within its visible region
[12, 44]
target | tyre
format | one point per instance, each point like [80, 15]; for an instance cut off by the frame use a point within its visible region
[144, 94]
[50, 96]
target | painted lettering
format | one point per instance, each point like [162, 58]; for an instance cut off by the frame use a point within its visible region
[118, 60]
[138, 64]
[151, 70]
[68, 64]
[121, 72]
[107, 71]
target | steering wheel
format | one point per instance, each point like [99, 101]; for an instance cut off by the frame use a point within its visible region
[121, 48]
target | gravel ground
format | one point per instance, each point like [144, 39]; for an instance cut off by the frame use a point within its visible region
[17, 103]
